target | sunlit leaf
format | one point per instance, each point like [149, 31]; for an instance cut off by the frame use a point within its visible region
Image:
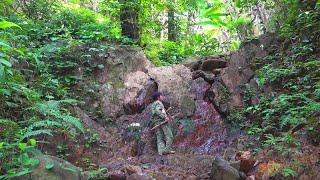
[4, 44]
[49, 165]
[33, 142]
[22, 146]
[5, 62]
[7, 24]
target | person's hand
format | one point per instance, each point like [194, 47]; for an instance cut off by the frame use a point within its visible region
[168, 119]
[171, 118]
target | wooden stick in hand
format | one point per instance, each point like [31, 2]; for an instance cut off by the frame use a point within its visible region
[162, 123]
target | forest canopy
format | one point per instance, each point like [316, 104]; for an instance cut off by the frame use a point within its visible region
[169, 31]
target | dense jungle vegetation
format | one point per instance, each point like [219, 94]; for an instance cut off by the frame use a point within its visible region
[36, 37]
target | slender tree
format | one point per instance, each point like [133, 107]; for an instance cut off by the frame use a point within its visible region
[129, 12]
[172, 33]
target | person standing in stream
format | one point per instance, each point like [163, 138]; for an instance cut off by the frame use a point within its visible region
[163, 132]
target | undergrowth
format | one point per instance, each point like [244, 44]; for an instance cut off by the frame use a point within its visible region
[289, 113]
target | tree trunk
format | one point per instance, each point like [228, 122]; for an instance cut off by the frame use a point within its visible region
[129, 19]
[172, 34]
[191, 21]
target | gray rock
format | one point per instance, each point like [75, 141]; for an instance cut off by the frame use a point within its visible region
[207, 76]
[53, 168]
[222, 170]
[212, 64]
[221, 96]
[136, 176]
[193, 63]
[117, 175]
[175, 82]
[235, 164]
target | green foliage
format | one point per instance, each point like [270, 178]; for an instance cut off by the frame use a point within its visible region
[52, 110]
[98, 174]
[236, 117]
[284, 111]
[26, 114]
[91, 138]
[7, 128]
[62, 151]
[290, 110]
[188, 126]
[7, 24]
[283, 144]
[49, 166]
[288, 172]
[168, 52]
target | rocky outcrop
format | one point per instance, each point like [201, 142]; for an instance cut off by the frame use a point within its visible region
[229, 74]
[221, 170]
[120, 90]
[123, 81]
[199, 91]
[53, 168]
[122, 77]
[116, 76]
[175, 82]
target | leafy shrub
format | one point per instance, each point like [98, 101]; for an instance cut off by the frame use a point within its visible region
[290, 110]
[25, 113]
[165, 53]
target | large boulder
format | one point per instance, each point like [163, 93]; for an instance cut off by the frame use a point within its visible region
[122, 77]
[117, 77]
[230, 75]
[204, 132]
[137, 176]
[199, 165]
[53, 168]
[127, 80]
[222, 170]
[212, 64]
[207, 76]
[138, 92]
[241, 66]
[221, 96]
[175, 83]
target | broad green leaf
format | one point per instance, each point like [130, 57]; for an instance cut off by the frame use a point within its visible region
[1, 72]
[7, 24]
[69, 169]
[33, 142]
[218, 8]
[49, 165]
[35, 133]
[18, 51]
[9, 71]
[5, 92]
[4, 44]
[5, 62]
[22, 146]
[1, 145]
[20, 173]
[217, 15]
[33, 162]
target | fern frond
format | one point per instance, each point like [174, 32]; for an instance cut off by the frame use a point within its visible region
[73, 121]
[44, 123]
[48, 108]
[35, 133]
[69, 101]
